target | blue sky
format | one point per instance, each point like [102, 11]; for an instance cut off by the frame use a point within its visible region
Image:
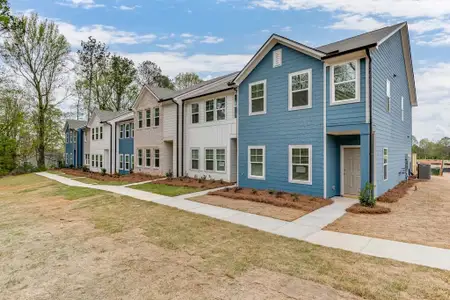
[214, 37]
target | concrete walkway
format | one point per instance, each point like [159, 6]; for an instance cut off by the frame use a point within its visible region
[307, 228]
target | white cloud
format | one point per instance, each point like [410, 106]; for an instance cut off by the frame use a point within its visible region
[187, 35]
[87, 4]
[208, 39]
[106, 34]
[286, 29]
[356, 22]
[125, 7]
[432, 32]
[172, 47]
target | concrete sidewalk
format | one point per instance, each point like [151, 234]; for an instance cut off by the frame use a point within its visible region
[307, 228]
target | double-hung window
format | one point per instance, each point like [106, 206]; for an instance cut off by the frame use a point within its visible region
[132, 129]
[300, 90]
[156, 117]
[96, 133]
[121, 131]
[385, 163]
[256, 162]
[92, 160]
[140, 122]
[127, 162]
[220, 109]
[96, 160]
[300, 164]
[195, 113]
[220, 160]
[345, 83]
[132, 161]
[235, 106]
[148, 157]
[209, 110]
[101, 161]
[156, 158]
[93, 134]
[403, 109]
[127, 131]
[67, 138]
[148, 118]
[257, 98]
[139, 158]
[388, 95]
[195, 159]
[209, 159]
[101, 132]
[121, 162]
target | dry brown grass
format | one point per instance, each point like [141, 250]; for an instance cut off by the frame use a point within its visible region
[111, 247]
[375, 210]
[421, 217]
[257, 208]
[297, 201]
[398, 192]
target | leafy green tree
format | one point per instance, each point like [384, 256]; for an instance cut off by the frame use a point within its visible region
[148, 73]
[164, 81]
[122, 76]
[186, 80]
[36, 52]
[6, 19]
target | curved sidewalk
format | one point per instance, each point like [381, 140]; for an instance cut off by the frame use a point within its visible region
[307, 228]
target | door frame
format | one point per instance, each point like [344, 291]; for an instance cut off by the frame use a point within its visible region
[343, 147]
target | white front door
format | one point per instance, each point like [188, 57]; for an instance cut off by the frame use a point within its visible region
[352, 171]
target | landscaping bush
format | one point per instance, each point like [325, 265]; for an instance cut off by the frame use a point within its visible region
[436, 172]
[366, 197]
[103, 172]
[85, 169]
[169, 174]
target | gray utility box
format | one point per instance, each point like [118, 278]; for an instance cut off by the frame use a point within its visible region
[424, 171]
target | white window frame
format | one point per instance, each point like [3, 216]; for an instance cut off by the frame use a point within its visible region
[67, 138]
[274, 55]
[132, 161]
[86, 159]
[148, 118]
[209, 111]
[140, 119]
[127, 131]
[213, 159]
[101, 161]
[198, 159]
[357, 86]
[132, 129]
[93, 133]
[93, 160]
[216, 160]
[148, 151]
[386, 163]
[250, 113]
[249, 170]
[156, 157]
[403, 109]
[195, 113]
[216, 111]
[101, 132]
[309, 105]
[140, 157]
[388, 95]
[127, 162]
[310, 166]
[121, 131]
[156, 109]
[120, 161]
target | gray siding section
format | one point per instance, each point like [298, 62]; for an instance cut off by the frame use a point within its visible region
[390, 131]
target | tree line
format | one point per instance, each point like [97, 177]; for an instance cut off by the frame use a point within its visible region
[426, 149]
[35, 68]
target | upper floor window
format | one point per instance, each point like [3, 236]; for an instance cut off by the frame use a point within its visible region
[140, 122]
[67, 138]
[257, 98]
[403, 109]
[300, 91]
[156, 116]
[220, 109]
[132, 129]
[93, 133]
[388, 95]
[209, 110]
[195, 113]
[235, 106]
[96, 133]
[277, 58]
[127, 131]
[148, 118]
[300, 168]
[101, 132]
[121, 131]
[345, 83]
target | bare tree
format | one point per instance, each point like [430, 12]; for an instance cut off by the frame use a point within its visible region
[185, 80]
[39, 54]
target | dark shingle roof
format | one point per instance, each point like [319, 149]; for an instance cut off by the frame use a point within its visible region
[359, 41]
[105, 115]
[220, 84]
[76, 124]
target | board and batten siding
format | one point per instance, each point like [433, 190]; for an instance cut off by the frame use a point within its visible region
[169, 110]
[279, 127]
[100, 146]
[390, 131]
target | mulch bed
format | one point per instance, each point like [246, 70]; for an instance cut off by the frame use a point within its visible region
[129, 178]
[398, 192]
[194, 183]
[303, 202]
[376, 210]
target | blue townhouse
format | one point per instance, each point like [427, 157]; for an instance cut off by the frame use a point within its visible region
[125, 140]
[326, 121]
[74, 133]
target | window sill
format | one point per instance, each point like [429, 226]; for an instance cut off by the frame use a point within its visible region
[300, 107]
[342, 102]
[300, 182]
[257, 177]
[257, 113]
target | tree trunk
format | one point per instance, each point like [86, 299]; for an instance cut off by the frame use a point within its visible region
[41, 138]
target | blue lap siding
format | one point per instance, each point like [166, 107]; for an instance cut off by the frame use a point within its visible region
[279, 127]
[390, 131]
[126, 147]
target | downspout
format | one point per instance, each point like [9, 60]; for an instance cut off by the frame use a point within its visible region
[182, 138]
[115, 147]
[369, 96]
[110, 147]
[178, 118]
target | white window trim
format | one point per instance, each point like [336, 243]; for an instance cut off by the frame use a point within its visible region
[127, 131]
[309, 72]
[263, 177]
[217, 110]
[140, 119]
[386, 164]
[132, 162]
[208, 111]
[156, 117]
[145, 161]
[358, 83]
[214, 159]
[403, 109]
[250, 113]
[291, 180]
[195, 113]
[121, 131]
[274, 55]
[154, 158]
[147, 118]
[388, 95]
[199, 159]
[120, 161]
[125, 162]
[142, 157]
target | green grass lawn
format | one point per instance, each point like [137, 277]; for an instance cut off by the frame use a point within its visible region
[166, 190]
[99, 182]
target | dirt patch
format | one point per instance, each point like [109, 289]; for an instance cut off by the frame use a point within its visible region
[375, 210]
[421, 217]
[262, 209]
[398, 192]
[129, 178]
[195, 183]
[297, 201]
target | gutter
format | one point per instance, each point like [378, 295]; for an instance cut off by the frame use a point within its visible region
[370, 99]
[335, 54]
[211, 93]
[178, 137]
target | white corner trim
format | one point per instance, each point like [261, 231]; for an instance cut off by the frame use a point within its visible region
[290, 104]
[325, 184]
[250, 113]
[358, 84]
[310, 165]
[367, 91]
[249, 164]
[343, 147]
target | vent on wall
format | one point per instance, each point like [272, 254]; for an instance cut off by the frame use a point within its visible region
[277, 58]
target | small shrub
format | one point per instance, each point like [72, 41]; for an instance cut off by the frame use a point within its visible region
[271, 192]
[213, 181]
[279, 194]
[221, 181]
[366, 197]
[131, 171]
[226, 190]
[237, 189]
[295, 197]
[85, 169]
[103, 172]
[71, 166]
[254, 191]
[169, 174]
